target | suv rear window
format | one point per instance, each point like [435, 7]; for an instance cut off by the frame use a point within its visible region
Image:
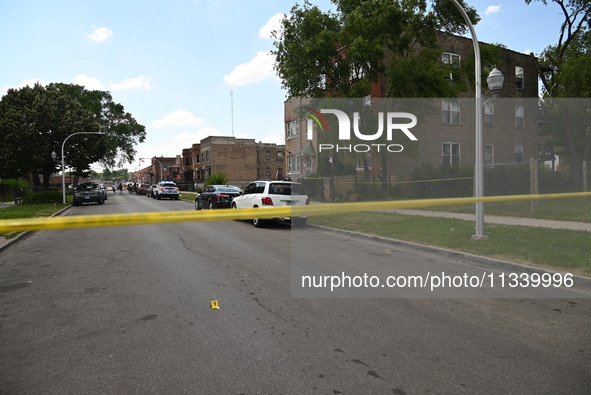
[87, 186]
[286, 189]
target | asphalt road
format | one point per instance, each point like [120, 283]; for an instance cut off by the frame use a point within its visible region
[127, 310]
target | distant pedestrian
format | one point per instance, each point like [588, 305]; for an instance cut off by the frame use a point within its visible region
[120, 187]
[114, 188]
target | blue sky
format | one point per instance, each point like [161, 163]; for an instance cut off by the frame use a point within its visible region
[181, 66]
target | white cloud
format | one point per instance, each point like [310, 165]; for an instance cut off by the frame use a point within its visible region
[90, 83]
[273, 140]
[180, 118]
[260, 68]
[31, 83]
[273, 24]
[188, 138]
[493, 9]
[100, 34]
[140, 82]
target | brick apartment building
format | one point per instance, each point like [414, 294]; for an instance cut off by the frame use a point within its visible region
[161, 168]
[446, 137]
[242, 160]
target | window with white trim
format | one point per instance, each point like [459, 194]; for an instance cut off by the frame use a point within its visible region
[519, 77]
[450, 112]
[293, 128]
[450, 153]
[519, 117]
[489, 113]
[293, 164]
[451, 59]
[518, 153]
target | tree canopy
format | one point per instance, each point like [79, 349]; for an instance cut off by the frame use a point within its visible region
[565, 66]
[565, 72]
[342, 53]
[34, 121]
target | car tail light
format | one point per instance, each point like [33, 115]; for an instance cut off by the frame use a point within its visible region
[221, 195]
[267, 201]
[307, 201]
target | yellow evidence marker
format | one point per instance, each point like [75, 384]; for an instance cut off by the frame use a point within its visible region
[214, 304]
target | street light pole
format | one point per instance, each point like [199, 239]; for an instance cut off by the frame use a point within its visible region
[64, 163]
[479, 149]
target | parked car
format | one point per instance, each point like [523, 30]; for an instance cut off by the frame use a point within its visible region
[260, 194]
[165, 189]
[142, 189]
[217, 196]
[104, 190]
[89, 192]
[150, 190]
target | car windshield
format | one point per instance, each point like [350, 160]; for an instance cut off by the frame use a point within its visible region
[286, 189]
[228, 189]
[86, 186]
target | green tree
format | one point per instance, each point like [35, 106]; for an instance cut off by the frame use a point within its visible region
[557, 62]
[565, 72]
[340, 54]
[34, 121]
[344, 53]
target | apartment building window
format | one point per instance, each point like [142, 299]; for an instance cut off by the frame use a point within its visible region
[451, 59]
[293, 164]
[293, 128]
[268, 172]
[450, 112]
[519, 117]
[197, 157]
[279, 156]
[451, 154]
[206, 156]
[519, 80]
[489, 113]
[489, 154]
[188, 161]
[518, 153]
[267, 155]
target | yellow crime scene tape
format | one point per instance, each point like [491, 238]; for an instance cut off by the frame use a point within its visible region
[152, 218]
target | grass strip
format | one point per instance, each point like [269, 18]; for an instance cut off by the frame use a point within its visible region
[571, 209]
[563, 250]
[28, 211]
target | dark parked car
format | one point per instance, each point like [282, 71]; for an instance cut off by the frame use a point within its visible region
[89, 192]
[217, 196]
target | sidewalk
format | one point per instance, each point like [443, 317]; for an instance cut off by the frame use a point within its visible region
[495, 219]
[502, 220]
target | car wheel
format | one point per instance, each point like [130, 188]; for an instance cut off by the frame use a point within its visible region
[197, 205]
[258, 223]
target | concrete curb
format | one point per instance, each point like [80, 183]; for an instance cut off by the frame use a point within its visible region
[580, 282]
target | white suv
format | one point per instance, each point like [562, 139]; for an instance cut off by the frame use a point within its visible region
[165, 189]
[260, 194]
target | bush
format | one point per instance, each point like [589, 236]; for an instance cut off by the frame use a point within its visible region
[9, 186]
[217, 178]
[44, 197]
